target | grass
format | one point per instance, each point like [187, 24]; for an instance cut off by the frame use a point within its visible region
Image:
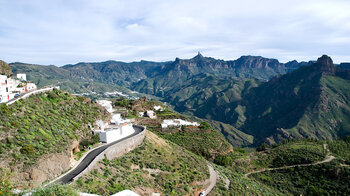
[239, 185]
[208, 144]
[44, 124]
[55, 190]
[323, 179]
[156, 166]
[291, 153]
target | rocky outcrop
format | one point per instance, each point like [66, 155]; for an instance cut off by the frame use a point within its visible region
[5, 69]
[46, 168]
[49, 167]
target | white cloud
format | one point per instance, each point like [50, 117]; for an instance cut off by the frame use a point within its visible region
[61, 32]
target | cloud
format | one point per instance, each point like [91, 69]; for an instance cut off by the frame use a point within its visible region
[61, 32]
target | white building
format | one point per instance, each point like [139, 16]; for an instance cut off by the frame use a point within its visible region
[151, 114]
[10, 87]
[177, 123]
[22, 77]
[116, 130]
[141, 114]
[117, 120]
[106, 104]
[158, 108]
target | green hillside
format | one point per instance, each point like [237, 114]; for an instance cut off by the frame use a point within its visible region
[52, 75]
[43, 124]
[155, 166]
[310, 102]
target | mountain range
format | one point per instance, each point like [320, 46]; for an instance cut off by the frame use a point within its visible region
[141, 75]
[252, 99]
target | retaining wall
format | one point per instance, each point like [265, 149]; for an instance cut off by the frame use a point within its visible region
[117, 150]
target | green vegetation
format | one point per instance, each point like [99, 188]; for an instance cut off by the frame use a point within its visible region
[55, 190]
[122, 102]
[231, 183]
[229, 158]
[202, 140]
[341, 149]
[323, 179]
[5, 184]
[43, 124]
[291, 153]
[208, 144]
[156, 164]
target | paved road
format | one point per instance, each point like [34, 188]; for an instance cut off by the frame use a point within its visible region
[26, 95]
[68, 178]
[213, 178]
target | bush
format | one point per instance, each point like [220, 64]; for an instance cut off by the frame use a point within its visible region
[27, 149]
[55, 190]
[204, 126]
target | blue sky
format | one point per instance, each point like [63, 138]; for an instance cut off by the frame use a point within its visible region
[69, 31]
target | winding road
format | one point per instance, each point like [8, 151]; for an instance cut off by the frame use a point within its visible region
[213, 178]
[69, 176]
[328, 158]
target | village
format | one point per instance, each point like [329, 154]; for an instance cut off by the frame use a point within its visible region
[118, 127]
[13, 87]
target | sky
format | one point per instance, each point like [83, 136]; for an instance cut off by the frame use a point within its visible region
[63, 32]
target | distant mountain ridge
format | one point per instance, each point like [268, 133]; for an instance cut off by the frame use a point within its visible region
[299, 99]
[311, 101]
[109, 74]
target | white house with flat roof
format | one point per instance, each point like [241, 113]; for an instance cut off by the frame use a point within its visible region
[22, 77]
[158, 108]
[151, 114]
[177, 123]
[116, 129]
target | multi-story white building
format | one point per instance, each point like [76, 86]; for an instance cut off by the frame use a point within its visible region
[116, 130]
[10, 87]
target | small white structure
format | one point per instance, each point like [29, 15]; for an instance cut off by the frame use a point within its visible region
[177, 123]
[158, 108]
[141, 114]
[106, 104]
[22, 77]
[117, 120]
[151, 114]
[126, 193]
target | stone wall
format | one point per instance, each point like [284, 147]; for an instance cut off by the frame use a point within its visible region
[116, 150]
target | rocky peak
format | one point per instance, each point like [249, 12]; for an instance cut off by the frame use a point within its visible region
[325, 60]
[198, 56]
[325, 64]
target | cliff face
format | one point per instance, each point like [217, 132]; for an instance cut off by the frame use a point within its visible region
[47, 168]
[5, 69]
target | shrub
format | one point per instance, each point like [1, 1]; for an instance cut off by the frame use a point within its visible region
[27, 149]
[204, 126]
[55, 190]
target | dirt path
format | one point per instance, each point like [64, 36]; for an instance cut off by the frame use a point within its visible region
[328, 158]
